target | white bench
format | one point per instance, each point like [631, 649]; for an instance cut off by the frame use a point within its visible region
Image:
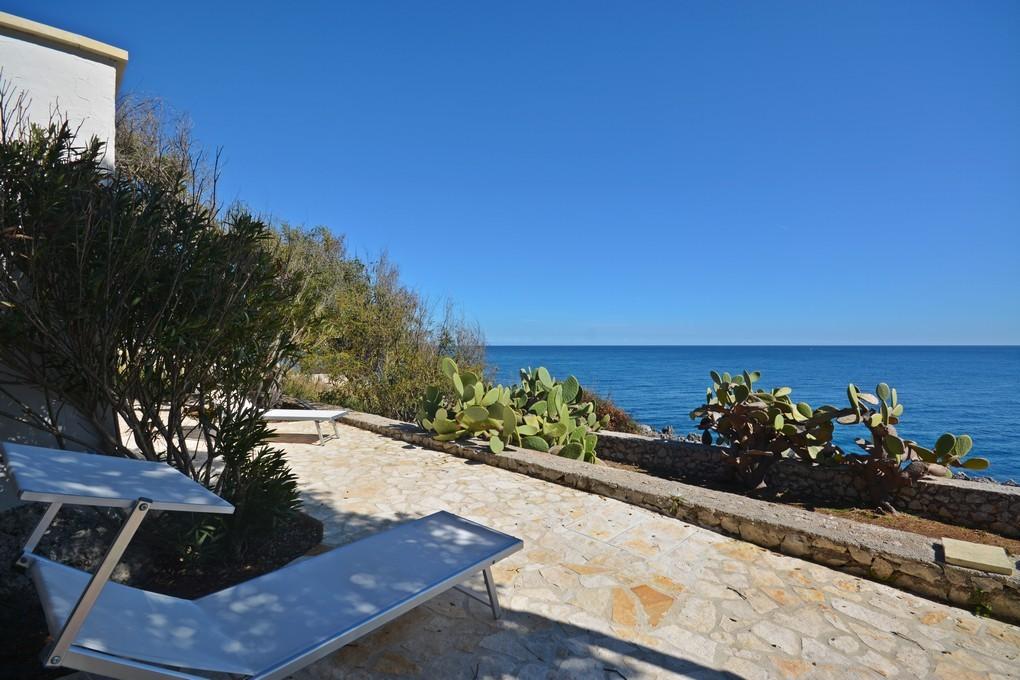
[297, 414]
[266, 628]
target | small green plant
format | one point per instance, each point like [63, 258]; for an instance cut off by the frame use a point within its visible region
[886, 451]
[981, 601]
[539, 413]
[609, 413]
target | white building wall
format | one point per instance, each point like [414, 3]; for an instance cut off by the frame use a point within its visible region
[61, 80]
[73, 77]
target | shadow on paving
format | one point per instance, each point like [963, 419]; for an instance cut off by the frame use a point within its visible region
[293, 438]
[455, 636]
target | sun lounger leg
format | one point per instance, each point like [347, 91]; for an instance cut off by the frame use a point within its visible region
[318, 428]
[490, 586]
[55, 653]
[40, 528]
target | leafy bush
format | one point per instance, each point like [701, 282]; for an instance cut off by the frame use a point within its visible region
[256, 479]
[128, 299]
[154, 145]
[615, 418]
[303, 386]
[538, 413]
[379, 341]
[887, 452]
[761, 426]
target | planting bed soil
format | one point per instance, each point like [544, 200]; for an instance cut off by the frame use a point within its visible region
[80, 540]
[902, 520]
[922, 526]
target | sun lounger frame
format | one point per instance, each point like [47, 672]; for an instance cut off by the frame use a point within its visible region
[62, 652]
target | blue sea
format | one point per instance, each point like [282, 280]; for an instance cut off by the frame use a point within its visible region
[963, 390]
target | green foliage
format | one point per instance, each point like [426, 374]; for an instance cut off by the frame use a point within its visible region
[888, 452]
[883, 466]
[124, 298]
[303, 386]
[378, 341]
[614, 417]
[885, 442]
[256, 479]
[949, 451]
[752, 419]
[981, 602]
[761, 426]
[538, 413]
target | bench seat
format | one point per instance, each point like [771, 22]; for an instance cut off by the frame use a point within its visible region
[317, 416]
[295, 414]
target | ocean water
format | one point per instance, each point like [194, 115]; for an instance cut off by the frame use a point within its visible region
[963, 390]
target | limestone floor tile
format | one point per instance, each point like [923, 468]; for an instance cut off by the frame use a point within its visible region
[608, 590]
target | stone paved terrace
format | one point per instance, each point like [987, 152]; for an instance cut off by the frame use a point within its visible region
[607, 590]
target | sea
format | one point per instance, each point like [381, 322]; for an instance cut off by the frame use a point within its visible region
[963, 390]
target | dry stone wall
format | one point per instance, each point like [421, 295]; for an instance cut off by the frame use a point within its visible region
[667, 458]
[979, 505]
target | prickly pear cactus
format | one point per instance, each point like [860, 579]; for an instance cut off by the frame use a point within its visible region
[880, 413]
[760, 426]
[538, 413]
[748, 418]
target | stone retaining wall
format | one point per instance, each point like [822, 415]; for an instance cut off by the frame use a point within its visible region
[974, 504]
[979, 505]
[675, 459]
[905, 560]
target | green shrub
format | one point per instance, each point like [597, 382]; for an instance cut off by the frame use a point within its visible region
[126, 297]
[256, 479]
[760, 426]
[538, 413]
[379, 341]
[616, 419]
[886, 452]
[303, 386]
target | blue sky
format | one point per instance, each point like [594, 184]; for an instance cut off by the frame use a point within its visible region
[624, 172]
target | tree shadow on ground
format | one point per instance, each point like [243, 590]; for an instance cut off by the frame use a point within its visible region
[455, 636]
[293, 438]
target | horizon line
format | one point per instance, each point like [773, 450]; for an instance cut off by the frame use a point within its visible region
[505, 344]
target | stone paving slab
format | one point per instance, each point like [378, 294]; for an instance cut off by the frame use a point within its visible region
[604, 589]
[908, 561]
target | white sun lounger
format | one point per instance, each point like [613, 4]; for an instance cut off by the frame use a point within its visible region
[316, 415]
[265, 628]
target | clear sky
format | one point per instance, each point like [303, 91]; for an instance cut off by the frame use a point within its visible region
[624, 172]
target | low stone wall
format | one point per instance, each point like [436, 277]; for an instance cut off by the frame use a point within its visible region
[974, 504]
[908, 561]
[979, 505]
[801, 482]
[673, 459]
